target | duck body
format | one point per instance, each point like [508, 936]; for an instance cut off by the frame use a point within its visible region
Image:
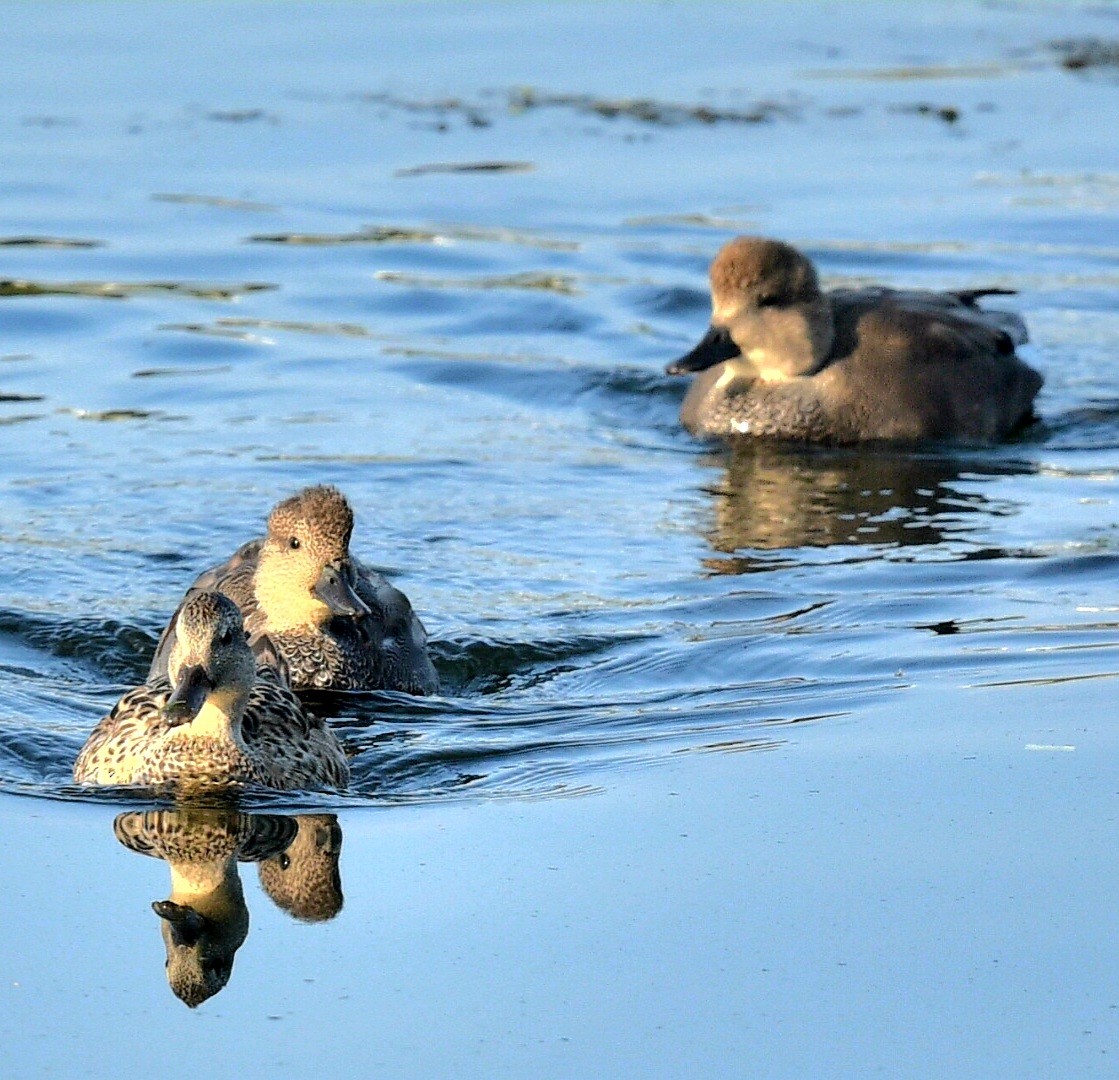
[313, 611]
[134, 745]
[784, 360]
[217, 723]
[281, 747]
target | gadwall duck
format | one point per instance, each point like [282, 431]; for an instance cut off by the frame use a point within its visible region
[784, 360]
[313, 610]
[217, 723]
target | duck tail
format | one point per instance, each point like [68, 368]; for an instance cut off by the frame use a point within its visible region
[969, 296]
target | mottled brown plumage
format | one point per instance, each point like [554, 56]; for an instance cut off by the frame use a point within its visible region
[304, 879]
[784, 360]
[217, 723]
[194, 834]
[313, 611]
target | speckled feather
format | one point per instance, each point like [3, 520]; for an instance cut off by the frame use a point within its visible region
[304, 879]
[202, 834]
[284, 747]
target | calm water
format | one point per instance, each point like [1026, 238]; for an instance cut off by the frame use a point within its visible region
[439, 255]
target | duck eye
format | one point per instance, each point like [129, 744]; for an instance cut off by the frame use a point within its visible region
[293, 543]
[767, 301]
[284, 861]
[226, 637]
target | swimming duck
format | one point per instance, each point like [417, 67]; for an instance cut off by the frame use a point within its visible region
[218, 722]
[313, 610]
[205, 920]
[784, 360]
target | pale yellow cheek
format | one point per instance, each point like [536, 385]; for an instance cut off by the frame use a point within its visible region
[286, 604]
[212, 722]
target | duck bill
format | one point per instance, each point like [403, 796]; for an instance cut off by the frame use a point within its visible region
[334, 589]
[186, 924]
[717, 345]
[188, 696]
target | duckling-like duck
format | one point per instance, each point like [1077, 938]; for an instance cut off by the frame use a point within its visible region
[218, 722]
[782, 359]
[311, 609]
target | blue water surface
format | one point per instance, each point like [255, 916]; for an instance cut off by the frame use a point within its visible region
[439, 254]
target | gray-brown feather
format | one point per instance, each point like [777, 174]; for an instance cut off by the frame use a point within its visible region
[904, 365]
[306, 881]
[199, 834]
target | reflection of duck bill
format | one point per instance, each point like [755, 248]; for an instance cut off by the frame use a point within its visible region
[334, 590]
[186, 924]
[715, 347]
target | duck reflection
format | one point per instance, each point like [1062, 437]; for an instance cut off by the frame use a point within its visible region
[304, 879]
[772, 497]
[206, 920]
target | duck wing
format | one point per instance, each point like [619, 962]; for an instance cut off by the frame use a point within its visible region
[130, 727]
[959, 306]
[396, 633]
[294, 747]
[921, 365]
[270, 835]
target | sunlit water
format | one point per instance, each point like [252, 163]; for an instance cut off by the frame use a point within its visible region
[439, 256]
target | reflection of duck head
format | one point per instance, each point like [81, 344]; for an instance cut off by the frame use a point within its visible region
[205, 921]
[304, 879]
[202, 935]
[779, 496]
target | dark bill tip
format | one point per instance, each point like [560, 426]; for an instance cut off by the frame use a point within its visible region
[334, 589]
[185, 924]
[188, 696]
[716, 346]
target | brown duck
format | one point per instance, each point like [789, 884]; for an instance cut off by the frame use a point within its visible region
[218, 723]
[312, 610]
[784, 360]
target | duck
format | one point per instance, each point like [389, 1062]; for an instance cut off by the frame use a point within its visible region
[784, 360]
[217, 722]
[312, 610]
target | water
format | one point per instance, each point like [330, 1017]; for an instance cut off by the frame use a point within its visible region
[439, 255]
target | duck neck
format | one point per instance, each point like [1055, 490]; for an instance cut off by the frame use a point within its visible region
[286, 607]
[785, 343]
[192, 881]
[219, 719]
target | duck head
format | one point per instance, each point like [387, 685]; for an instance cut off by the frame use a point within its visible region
[305, 574]
[304, 879]
[202, 938]
[210, 662]
[769, 319]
